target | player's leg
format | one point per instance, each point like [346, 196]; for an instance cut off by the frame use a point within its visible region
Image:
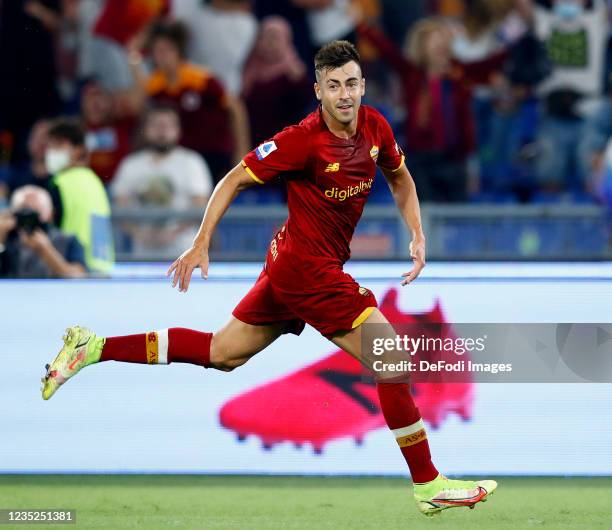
[433, 492]
[228, 348]
[257, 320]
[398, 407]
[236, 342]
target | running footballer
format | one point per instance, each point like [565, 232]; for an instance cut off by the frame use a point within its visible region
[328, 162]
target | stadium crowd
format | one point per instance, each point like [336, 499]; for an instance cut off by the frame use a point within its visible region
[504, 101]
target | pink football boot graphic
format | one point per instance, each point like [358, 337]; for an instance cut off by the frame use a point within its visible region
[435, 400]
[330, 398]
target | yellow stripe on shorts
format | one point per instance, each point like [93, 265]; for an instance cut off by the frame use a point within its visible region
[362, 317]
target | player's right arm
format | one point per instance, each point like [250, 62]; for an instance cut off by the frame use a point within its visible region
[286, 151]
[197, 256]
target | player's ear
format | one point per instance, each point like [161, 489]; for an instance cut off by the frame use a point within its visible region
[362, 86]
[317, 90]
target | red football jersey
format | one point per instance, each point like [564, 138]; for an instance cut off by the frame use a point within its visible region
[328, 180]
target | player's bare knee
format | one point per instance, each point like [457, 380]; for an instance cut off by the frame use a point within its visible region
[222, 356]
[391, 367]
[219, 353]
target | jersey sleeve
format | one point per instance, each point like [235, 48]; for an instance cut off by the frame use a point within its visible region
[286, 151]
[390, 155]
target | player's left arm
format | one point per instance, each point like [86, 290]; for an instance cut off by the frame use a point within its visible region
[405, 196]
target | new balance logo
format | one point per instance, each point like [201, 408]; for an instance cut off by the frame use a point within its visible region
[332, 168]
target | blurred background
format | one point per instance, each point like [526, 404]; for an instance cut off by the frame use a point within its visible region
[117, 118]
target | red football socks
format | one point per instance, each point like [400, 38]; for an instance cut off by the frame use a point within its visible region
[403, 418]
[164, 346]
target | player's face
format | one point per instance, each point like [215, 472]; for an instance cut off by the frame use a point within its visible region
[340, 91]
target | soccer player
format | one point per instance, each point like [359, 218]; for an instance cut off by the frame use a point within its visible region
[328, 161]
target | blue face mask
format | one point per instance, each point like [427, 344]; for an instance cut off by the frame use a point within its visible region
[568, 10]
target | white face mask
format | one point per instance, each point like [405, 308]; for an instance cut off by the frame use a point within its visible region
[56, 160]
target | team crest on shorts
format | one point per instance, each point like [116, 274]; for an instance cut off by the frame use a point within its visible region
[374, 152]
[265, 149]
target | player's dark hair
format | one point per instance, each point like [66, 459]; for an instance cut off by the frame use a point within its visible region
[67, 129]
[334, 55]
[175, 32]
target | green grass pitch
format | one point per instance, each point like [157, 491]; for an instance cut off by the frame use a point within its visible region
[152, 502]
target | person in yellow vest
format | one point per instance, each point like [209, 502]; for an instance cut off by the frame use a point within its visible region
[81, 204]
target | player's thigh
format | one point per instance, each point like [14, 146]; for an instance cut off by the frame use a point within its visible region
[352, 343]
[236, 342]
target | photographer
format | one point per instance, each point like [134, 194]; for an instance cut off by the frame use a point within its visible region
[30, 247]
[80, 203]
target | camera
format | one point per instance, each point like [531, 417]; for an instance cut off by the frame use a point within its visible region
[28, 220]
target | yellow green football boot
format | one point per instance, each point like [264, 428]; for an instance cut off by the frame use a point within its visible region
[81, 348]
[443, 493]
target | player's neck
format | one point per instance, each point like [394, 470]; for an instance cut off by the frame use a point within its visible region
[339, 129]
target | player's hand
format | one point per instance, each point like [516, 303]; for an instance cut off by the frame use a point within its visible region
[184, 266]
[417, 253]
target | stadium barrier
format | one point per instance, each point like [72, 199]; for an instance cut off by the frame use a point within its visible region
[454, 232]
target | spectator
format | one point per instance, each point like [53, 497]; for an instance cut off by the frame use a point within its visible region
[114, 27]
[27, 68]
[213, 122]
[488, 25]
[33, 170]
[397, 15]
[67, 52]
[507, 110]
[222, 35]
[30, 246]
[575, 33]
[595, 155]
[295, 15]
[601, 183]
[162, 175]
[81, 207]
[273, 73]
[328, 20]
[439, 128]
[507, 129]
[108, 129]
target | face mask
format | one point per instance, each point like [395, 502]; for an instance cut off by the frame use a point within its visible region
[56, 160]
[568, 10]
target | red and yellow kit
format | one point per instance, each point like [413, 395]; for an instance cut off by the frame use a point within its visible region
[328, 182]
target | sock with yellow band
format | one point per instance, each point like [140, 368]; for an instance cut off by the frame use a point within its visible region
[160, 347]
[404, 420]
